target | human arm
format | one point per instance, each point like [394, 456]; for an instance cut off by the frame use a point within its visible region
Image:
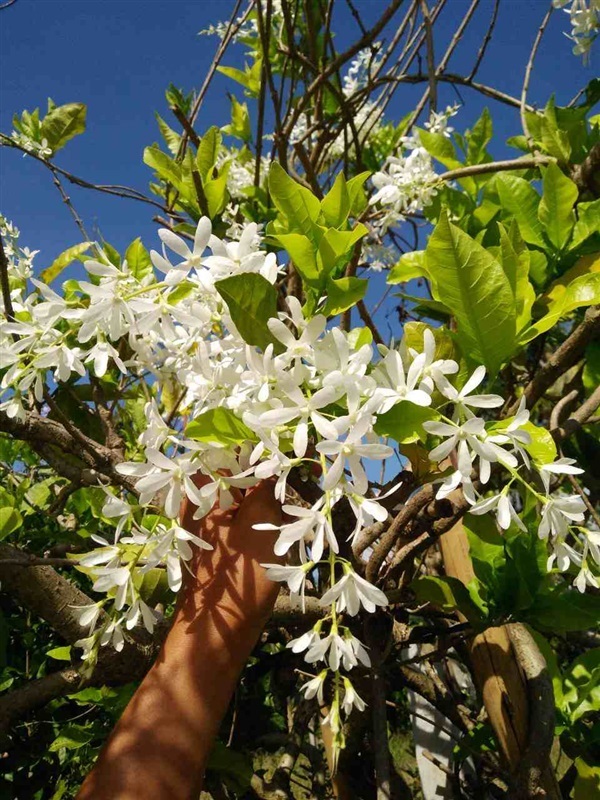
[162, 742]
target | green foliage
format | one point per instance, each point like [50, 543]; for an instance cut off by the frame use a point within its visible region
[475, 288]
[62, 261]
[219, 425]
[252, 302]
[59, 126]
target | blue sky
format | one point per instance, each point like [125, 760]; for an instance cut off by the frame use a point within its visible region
[119, 56]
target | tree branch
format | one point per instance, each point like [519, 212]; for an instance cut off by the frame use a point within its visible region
[568, 354]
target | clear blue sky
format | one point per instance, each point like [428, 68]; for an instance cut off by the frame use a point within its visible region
[118, 56]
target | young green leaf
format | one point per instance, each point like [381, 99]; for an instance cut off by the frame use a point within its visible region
[138, 259]
[473, 285]
[219, 425]
[343, 293]
[298, 205]
[336, 203]
[556, 206]
[520, 200]
[62, 261]
[208, 151]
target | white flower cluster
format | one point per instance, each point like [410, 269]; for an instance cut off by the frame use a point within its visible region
[40, 149]
[585, 23]
[246, 28]
[408, 182]
[366, 119]
[20, 259]
[310, 400]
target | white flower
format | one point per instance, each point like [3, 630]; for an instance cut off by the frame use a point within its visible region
[305, 641]
[172, 546]
[334, 649]
[468, 439]
[311, 526]
[306, 409]
[300, 347]
[139, 608]
[505, 512]
[234, 258]
[557, 514]
[562, 466]
[351, 450]
[433, 371]
[161, 472]
[99, 354]
[157, 431]
[394, 384]
[513, 433]
[87, 616]
[191, 258]
[294, 576]
[351, 698]
[463, 400]
[351, 592]
[315, 687]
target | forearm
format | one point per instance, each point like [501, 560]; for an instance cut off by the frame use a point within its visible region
[164, 737]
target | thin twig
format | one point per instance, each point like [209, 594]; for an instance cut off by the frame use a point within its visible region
[528, 70]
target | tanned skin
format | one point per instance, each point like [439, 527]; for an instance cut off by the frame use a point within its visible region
[159, 748]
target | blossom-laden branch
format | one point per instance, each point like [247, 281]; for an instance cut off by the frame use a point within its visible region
[307, 397]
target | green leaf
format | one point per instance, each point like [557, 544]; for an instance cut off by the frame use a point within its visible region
[62, 261]
[219, 425]
[587, 782]
[478, 138]
[473, 285]
[302, 251]
[240, 121]
[581, 685]
[153, 586]
[588, 222]
[440, 147]
[409, 266]
[249, 78]
[216, 192]
[520, 200]
[171, 137]
[515, 260]
[577, 288]
[356, 193]
[343, 293]
[60, 653]
[72, 737]
[298, 205]
[336, 203]
[164, 166]
[563, 611]
[358, 337]
[591, 369]
[555, 211]
[554, 140]
[542, 448]
[179, 292]
[251, 301]
[10, 521]
[208, 151]
[233, 768]
[335, 246]
[404, 422]
[138, 259]
[62, 124]
[448, 594]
